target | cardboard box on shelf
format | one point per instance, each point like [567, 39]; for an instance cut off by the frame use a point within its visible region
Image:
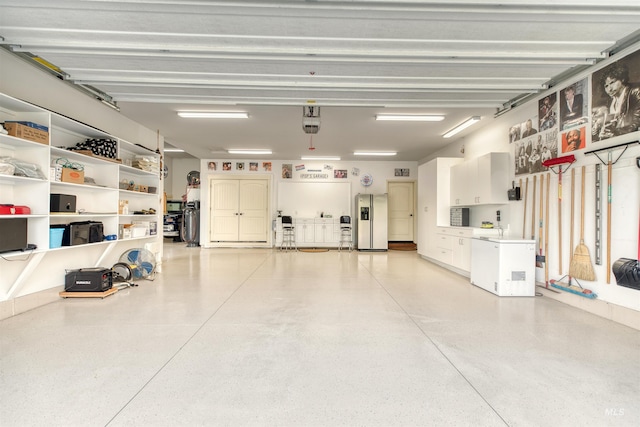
[25, 131]
[72, 175]
[123, 207]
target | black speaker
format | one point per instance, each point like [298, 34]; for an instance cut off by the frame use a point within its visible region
[62, 203]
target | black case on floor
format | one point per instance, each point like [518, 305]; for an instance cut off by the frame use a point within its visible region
[97, 279]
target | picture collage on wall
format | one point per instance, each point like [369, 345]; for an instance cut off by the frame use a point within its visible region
[328, 171]
[240, 166]
[564, 122]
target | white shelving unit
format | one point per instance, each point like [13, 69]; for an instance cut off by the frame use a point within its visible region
[96, 200]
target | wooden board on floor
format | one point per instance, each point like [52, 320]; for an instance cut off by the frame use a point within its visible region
[104, 294]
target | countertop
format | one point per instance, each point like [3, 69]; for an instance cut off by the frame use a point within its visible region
[506, 239]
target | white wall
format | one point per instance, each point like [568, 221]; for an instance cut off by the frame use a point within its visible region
[493, 136]
[176, 183]
[382, 172]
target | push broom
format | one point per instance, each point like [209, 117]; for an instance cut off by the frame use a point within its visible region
[581, 267]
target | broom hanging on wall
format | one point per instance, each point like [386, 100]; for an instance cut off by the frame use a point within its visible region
[581, 267]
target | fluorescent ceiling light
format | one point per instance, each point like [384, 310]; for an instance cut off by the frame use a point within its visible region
[410, 117]
[462, 126]
[213, 114]
[319, 158]
[242, 151]
[374, 153]
[173, 150]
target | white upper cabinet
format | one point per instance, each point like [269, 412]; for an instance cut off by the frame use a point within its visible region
[481, 181]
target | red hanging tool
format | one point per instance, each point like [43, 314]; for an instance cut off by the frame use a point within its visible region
[559, 162]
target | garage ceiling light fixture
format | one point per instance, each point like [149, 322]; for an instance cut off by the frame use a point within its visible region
[173, 150]
[213, 114]
[242, 151]
[410, 117]
[375, 153]
[462, 126]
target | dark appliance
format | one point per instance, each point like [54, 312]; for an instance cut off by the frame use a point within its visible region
[62, 203]
[459, 217]
[190, 229]
[79, 233]
[98, 279]
[13, 234]
[514, 193]
[175, 206]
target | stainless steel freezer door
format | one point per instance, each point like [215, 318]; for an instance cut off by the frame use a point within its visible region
[364, 212]
[379, 224]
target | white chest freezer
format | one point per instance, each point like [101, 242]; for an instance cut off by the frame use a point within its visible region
[505, 267]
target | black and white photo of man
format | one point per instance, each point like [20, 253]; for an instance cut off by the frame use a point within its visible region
[547, 116]
[572, 105]
[615, 106]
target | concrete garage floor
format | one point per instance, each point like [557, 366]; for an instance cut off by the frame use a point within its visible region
[259, 337]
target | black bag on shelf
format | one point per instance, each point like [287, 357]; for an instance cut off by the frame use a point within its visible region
[100, 147]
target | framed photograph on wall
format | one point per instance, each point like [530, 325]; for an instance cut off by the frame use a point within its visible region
[615, 98]
[287, 170]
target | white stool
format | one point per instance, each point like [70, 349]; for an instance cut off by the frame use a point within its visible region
[288, 234]
[345, 232]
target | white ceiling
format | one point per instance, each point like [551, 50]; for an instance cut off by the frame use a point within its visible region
[354, 59]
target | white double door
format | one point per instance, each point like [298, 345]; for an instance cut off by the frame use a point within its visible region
[239, 210]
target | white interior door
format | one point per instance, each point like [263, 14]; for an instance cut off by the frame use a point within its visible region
[401, 211]
[239, 210]
[224, 218]
[253, 205]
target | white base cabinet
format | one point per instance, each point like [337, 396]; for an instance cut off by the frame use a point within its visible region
[504, 267]
[313, 232]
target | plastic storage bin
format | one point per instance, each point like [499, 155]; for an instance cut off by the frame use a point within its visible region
[55, 237]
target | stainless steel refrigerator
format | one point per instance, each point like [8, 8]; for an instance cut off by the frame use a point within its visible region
[372, 222]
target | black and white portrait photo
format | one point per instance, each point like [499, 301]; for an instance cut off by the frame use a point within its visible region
[573, 105]
[615, 102]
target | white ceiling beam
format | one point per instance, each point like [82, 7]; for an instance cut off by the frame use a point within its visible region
[568, 60]
[328, 8]
[293, 101]
[353, 86]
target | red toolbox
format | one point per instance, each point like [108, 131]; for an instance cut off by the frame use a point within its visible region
[14, 210]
